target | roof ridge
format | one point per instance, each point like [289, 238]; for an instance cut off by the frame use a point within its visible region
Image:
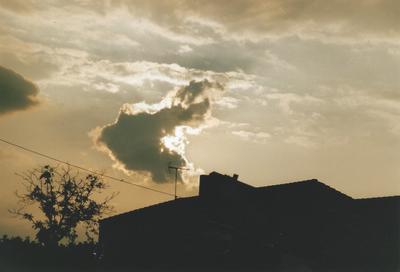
[316, 181]
[288, 183]
[378, 197]
[333, 189]
[149, 206]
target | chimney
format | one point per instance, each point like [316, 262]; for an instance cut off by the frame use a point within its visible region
[235, 176]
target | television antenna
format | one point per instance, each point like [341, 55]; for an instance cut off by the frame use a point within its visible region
[176, 168]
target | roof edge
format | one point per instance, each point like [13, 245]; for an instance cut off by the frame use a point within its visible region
[147, 207]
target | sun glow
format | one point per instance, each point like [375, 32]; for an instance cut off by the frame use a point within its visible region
[177, 142]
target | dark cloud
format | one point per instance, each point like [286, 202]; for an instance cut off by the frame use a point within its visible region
[135, 139]
[16, 92]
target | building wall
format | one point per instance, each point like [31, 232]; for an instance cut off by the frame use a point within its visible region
[232, 223]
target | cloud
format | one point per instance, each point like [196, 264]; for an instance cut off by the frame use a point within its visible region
[287, 99]
[185, 49]
[205, 22]
[148, 137]
[342, 18]
[16, 92]
[228, 102]
[19, 6]
[256, 137]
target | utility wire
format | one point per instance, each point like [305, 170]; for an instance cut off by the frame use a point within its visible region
[85, 169]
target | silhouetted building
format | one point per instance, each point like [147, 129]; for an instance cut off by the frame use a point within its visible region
[232, 224]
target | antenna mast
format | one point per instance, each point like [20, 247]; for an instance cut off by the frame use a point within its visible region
[176, 168]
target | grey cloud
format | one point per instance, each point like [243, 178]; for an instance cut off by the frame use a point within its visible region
[336, 17]
[134, 139]
[16, 92]
[208, 19]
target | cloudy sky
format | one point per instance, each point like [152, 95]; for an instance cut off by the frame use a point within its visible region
[275, 91]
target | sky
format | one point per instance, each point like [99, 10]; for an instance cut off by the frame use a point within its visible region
[275, 91]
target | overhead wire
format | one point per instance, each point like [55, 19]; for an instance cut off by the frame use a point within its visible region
[85, 169]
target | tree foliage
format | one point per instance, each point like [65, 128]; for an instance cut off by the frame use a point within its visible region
[65, 199]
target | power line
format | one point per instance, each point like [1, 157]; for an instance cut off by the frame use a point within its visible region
[84, 169]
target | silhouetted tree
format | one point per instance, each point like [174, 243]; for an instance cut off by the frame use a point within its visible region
[65, 198]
